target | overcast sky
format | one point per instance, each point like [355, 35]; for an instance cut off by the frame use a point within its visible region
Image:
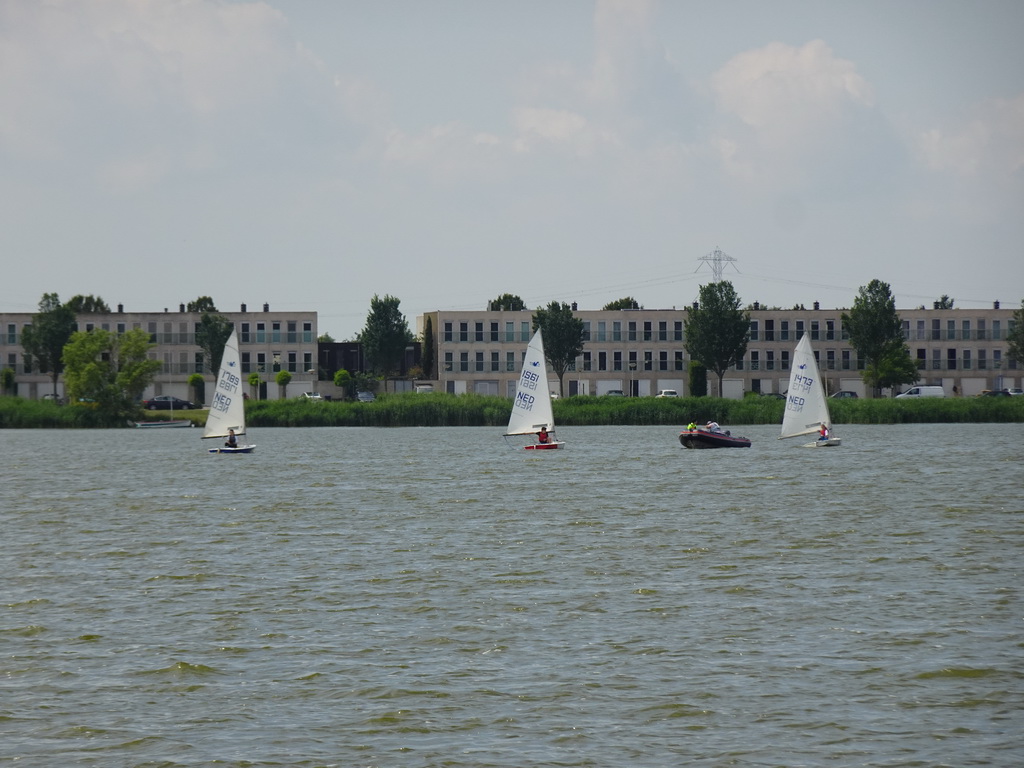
[312, 154]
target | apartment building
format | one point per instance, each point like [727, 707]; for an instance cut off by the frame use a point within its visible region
[641, 351]
[268, 342]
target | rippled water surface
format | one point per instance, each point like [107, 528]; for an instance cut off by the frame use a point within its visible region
[433, 597]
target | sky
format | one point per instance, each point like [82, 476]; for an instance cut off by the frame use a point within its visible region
[311, 154]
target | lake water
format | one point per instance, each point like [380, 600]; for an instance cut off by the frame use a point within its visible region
[433, 597]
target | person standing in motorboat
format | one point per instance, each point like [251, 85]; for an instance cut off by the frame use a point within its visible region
[712, 426]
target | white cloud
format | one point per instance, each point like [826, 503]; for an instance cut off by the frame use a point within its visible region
[991, 141]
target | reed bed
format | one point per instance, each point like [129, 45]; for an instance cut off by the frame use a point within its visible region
[443, 410]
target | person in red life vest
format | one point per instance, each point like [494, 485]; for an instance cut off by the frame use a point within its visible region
[543, 437]
[823, 432]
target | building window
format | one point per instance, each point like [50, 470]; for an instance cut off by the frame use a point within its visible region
[293, 362]
[648, 360]
[755, 360]
[587, 362]
[966, 331]
[679, 361]
[12, 333]
[967, 360]
[494, 331]
[936, 359]
[586, 330]
[950, 330]
[602, 361]
[769, 330]
[448, 362]
[647, 330]
[261, 362]
[616, 330]
[601, 330]
[524, 330]
[997, 333]
[677, 331]
[799, 329]
[245, 333]
[663, 360]
[293, 332]
[769, 362]
[463, 331]
[846, 360]
[478, 332]
[830, 330]
[936, 329]
[246, 362]
[448, 332]
[631, 326]
[275, 332]
[616, 361]
[307, 333]
[261, 333]
[785, 360]
[307, 362]
[784, 330]
[510, 331]
[951, 359]
[814, 331]
[510, 361]
[479, 362]
[754, 335]
[495, 361]
[197, 365]
[982, 360]
[464, 362]
[830, 359]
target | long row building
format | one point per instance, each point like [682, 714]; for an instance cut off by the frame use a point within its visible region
[637, 351]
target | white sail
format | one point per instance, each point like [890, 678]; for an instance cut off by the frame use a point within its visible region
[806, 408]
[531, 408]
[227, 410]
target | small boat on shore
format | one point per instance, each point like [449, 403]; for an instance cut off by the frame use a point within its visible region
[699, 437]
[163, 424]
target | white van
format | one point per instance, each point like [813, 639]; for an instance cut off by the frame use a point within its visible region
[934, 391]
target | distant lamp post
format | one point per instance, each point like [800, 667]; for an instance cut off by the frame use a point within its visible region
[632, 372]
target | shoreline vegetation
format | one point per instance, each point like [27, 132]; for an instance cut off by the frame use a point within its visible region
[444, 410]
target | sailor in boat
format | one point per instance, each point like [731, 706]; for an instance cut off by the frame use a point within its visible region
[823, 432]
[712, 426]
[232, 441]
[543, 437]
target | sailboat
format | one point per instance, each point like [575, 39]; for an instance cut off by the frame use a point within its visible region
[531, 409]
[806, 407]
[227, 411]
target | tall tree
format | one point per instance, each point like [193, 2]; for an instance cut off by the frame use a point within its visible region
[111, 369]
[876, 332]
[427, 358]
[44, 340]
[624, 303]
[1015, 337]
[563, 337]
[385, 336]
[944, 302]
[212, 334]
[82, 305]
[717, 330]
[508, 302]
[201, 304]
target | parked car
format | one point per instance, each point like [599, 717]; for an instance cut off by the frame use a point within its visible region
[167, 403]
[1016, 391]
[312, 396]
[365, 397]
[424, 389]
[667, 393]
[994, 393]
[614, 393]
[53, 398]
[843, 394]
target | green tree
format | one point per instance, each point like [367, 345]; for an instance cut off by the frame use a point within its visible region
[325, 338]
[344, 381]
[717, 330]
[896, 367]
[385, 336]
[7, 379]
[254, 381]
[508, 302]
[1015, 337]
[198, 385]
[563, 337]
[212, 333]
[44, 340]
[84, 305]
[427, 358]
[698, 376]
[875, 331]
[111, 369]
[944, 302]
[201, 304]
[283, 378]
[625, 303]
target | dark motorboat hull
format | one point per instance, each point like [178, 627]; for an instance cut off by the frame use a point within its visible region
[698, 438]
